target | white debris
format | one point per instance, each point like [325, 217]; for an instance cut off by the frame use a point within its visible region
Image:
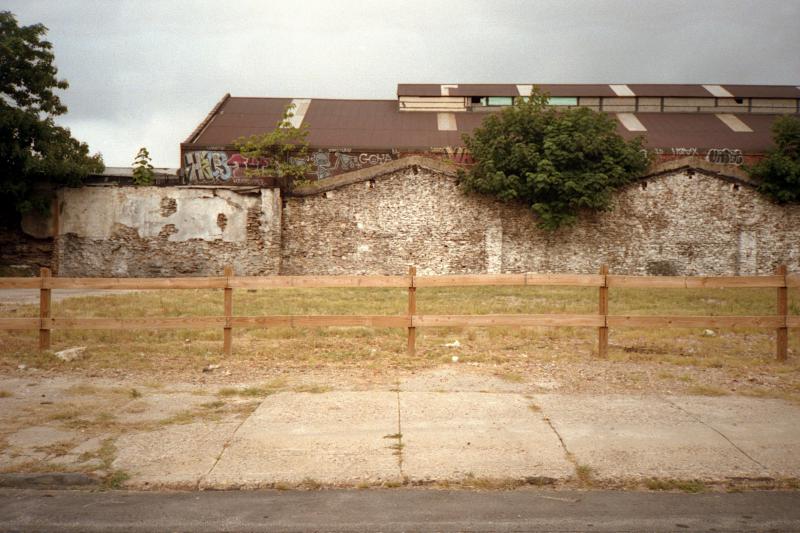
[709, 333]
[455, 359]
[22, 367]
[454, 344]
[210, 368]
[70, 354]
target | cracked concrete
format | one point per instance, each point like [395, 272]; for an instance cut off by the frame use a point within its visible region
[434, 427]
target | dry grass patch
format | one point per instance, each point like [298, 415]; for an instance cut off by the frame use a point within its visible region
[5, 394]
[515, 354]
[684, 485]
[706, 390]
[312, 389]
[260, 391]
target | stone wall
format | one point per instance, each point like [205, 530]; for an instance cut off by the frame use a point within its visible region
[167, 231]
[680, 222]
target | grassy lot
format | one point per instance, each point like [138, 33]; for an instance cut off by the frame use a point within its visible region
[677, 357]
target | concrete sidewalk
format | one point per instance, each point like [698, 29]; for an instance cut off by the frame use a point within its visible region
[440, 427]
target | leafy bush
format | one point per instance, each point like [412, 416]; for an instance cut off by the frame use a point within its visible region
[779, 172]
[34, 151]
[557, 162]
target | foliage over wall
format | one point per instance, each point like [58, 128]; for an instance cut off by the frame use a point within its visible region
[33, 149]
[281, 152]
[558, 162]
[779, 172]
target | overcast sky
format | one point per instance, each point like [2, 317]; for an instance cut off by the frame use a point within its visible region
[145, 73]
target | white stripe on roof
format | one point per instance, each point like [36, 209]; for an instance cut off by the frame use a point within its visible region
[622, 90]
[718, 90]
[300, 109]
[734, 123]
[446, 89]
[631, 122]
[524, 90]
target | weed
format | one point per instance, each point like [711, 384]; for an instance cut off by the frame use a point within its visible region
[56, 449]
[262, 391]
[684, 485]
[706, 390]
[535, 408]
[115, 479]
[309, 484]
[511, 377]
[488, 483]
[313, 389]
[213, 405]
[584, 473]
[393, 436]
[5, 394]
[135, 394]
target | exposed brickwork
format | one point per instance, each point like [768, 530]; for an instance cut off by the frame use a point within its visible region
[670, 224]
[168, 232]
[23, 255]
[681, 222]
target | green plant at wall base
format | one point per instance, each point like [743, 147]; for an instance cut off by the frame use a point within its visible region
[34, 151]
[142, 168]
[558, 162]
[285, 150]
[779, 171]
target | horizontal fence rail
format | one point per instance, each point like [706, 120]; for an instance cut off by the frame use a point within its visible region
[411, 320]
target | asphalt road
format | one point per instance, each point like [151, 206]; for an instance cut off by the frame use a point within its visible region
[396, 510]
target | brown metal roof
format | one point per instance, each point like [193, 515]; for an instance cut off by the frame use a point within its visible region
[502, 89]
[677, 91]
[599, 89]
[378, 124]
[703, 131]
[242, 116]
[763, 91]
[371, 124]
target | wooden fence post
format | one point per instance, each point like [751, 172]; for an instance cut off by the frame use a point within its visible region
[602, 331]
[227, 336]
[782, 334]
[44, 310]
[412, 310]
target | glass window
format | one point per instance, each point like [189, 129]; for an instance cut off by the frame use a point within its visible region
[562, 100]
[499, 100]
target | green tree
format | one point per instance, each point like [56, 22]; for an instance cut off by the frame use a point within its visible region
[284, 149]
[557, 162]
[33, 149]
[142, 168]
[779, 171]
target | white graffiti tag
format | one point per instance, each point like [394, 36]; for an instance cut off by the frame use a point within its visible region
[725, 156]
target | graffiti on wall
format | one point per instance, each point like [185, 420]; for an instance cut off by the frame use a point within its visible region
[206, 166]
[456, 154]
[725, 156]
[719, 156]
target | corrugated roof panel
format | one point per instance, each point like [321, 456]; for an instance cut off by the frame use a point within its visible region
[419, 89]
[377, 124]
[485, 89]
[675, 91]
[763, 91]
[701, 131]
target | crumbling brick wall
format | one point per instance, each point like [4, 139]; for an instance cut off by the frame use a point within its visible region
[681, 223]
[167, 231]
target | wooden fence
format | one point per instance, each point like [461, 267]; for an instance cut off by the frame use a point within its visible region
[603, 281]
